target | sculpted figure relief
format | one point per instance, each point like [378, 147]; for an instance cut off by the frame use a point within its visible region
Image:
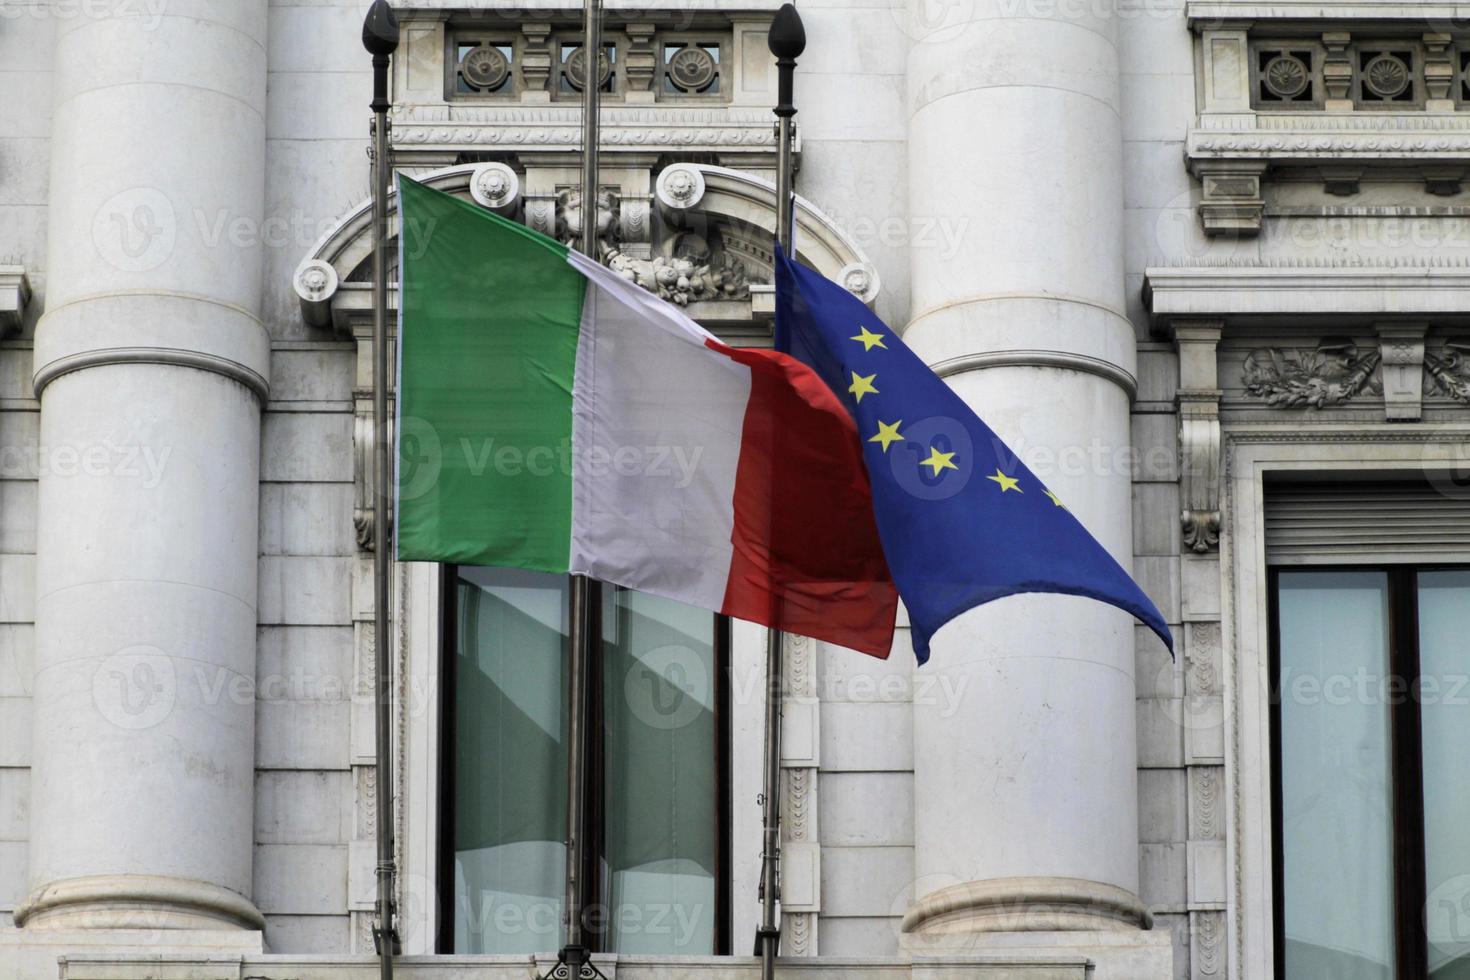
[688, 270]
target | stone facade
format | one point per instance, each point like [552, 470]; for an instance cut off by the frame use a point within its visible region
[1165, 247]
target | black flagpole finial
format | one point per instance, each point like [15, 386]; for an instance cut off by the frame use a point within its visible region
[787, 39]
[380, 29]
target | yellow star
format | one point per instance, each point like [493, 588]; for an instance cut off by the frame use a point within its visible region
[938, 461]
[869, 340]
[1006, 482]
[1055, 499]
[862, 386]
[888, 434]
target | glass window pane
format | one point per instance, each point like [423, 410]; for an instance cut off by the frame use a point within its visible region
[1336, 817]
[660, 746]
[509, 761]
[1444, 699]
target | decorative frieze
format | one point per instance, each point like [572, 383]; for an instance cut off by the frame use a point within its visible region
[1449, 370]
[1327, 375]
[548, 129]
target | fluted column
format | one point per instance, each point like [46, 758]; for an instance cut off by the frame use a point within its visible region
[151, 364]
[1026, 786]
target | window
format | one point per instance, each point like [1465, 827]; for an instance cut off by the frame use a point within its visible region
[656, 784]
[1371, 747]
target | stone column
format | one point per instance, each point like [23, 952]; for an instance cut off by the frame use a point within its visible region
[151, 363]
[1026, 785]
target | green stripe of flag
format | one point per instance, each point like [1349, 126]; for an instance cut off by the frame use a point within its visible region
[490, 313]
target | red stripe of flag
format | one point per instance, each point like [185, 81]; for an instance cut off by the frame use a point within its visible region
[807, 557]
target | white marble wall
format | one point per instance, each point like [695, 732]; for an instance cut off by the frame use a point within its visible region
[25, 126]
[1156, 53]
[865, 793]
[854, 167]
[305, 800]
[306, 805]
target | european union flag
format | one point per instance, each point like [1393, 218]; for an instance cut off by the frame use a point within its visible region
[961, 518]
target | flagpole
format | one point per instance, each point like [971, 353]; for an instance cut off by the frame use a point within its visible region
[575, 959]
[380, 37]
[787, 40]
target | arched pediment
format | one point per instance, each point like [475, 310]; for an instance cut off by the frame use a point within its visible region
[702, 239]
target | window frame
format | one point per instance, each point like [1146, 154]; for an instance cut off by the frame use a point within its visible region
[1406, 762]
[595, 811]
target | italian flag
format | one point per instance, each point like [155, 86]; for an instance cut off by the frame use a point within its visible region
[554, 416]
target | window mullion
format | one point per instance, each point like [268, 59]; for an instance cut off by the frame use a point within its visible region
[1408, 776]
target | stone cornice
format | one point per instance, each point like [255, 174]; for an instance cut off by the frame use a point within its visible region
[1367, 291]
[558, 128]
[1388, 140]
[1205, 12]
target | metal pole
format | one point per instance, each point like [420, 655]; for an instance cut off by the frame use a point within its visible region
[574, 954]
[787, 40]
[380, 37]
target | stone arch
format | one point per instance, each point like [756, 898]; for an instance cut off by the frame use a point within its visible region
[708, 202]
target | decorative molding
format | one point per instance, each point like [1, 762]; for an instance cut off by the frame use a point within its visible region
[1203, 13]
[1202, 656]
[495, 186]
[690, 129]
[121, 901]
[199, 360]
[1328, 375]
[1370, 291]
[15, 295]
[536, 58]
[641, 66]
[1449, 370]
[1231, 201]
[1066, 360]
[1199, 433]
[1206, 789]
[1208, 947]
[1309, 143]
[707, 247]
[1401, 351]
[363, 513]
[801, 872]
[800, 929]
[1030, 904]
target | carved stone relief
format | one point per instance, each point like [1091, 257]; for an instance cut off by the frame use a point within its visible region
[1327, 375]
[1449, 370]
[1199, 433]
